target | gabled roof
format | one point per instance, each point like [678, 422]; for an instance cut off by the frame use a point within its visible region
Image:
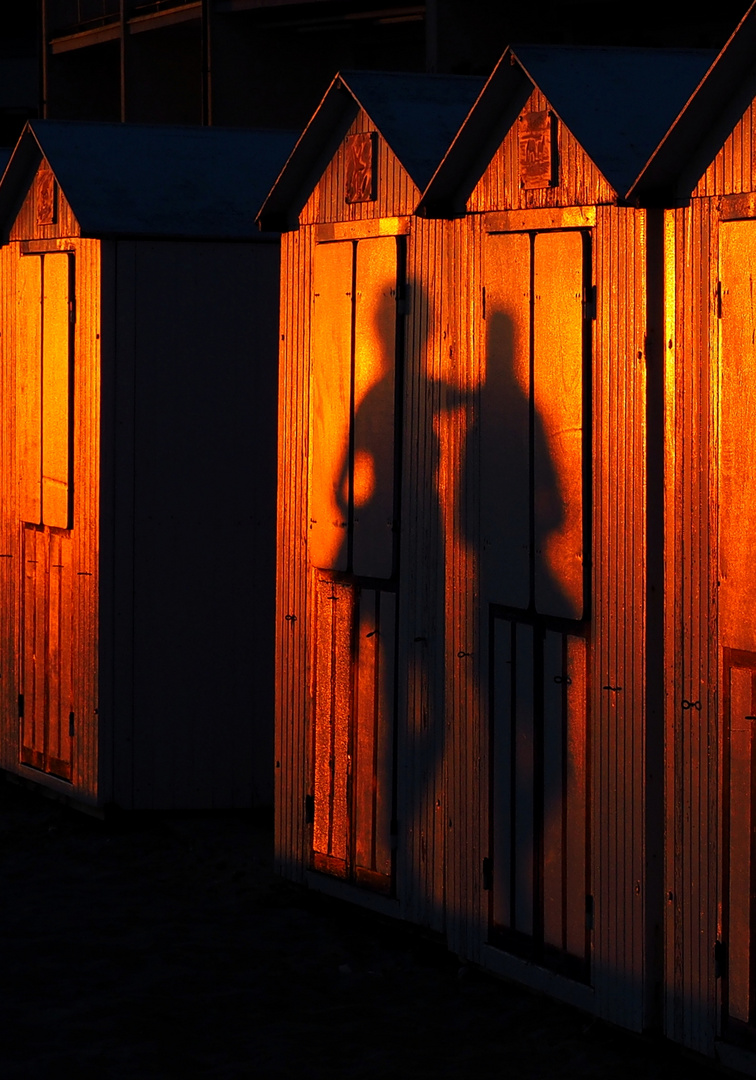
[710, 114]
[417, 115]
[617, 102]
[150, 181]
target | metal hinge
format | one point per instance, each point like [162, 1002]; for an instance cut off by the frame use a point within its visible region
[72, 310]
[71, 725]
[487, 873]
[589, 302]
[718, 299]
[309, 809]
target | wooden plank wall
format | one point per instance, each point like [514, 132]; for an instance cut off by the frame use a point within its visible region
[293, 577]
[422, 720]
[465, 667]
[84, 533]
[733, 169]
[581, 183]
[691, 722]
[618, 710]
[9, 539]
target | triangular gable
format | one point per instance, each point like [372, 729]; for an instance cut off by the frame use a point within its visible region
[45, 213]
[708, 148]
[609, 108]
[411, 119]
[145, 180]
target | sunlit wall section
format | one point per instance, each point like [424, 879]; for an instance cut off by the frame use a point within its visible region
[623, 882]
[292, 609]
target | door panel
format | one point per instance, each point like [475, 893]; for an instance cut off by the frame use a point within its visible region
[739, 702]
[46, 654]
[55, 390]
[558, 435]
[505, 422]
[352, 543]
[43, 433]
[374, 392]
[539, 805]
[534, 479]
[331, 405]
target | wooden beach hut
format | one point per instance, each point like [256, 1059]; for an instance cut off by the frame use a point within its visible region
[361, 807]
[138, 350]
[553, 570]
[704, 173]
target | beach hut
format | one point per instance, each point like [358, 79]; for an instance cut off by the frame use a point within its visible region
[361, 792]
[704, 172]
[553, 572]
[138, 351]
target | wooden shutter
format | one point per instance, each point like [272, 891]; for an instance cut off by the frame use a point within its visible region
[331, 405]
[558, 419]
[505, 422]
[29, 387]
[374, 398]
[55, 390]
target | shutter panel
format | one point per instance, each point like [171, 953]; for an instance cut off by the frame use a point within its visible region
[374, 403]
[505, 422]
[55, 390]
[331, 405]
[558, 434]
[29, 387]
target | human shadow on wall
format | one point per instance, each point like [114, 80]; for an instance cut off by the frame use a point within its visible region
[483, 500]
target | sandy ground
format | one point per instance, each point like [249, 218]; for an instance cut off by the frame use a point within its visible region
[164, 946]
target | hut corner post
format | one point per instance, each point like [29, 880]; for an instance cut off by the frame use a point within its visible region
[654, 621]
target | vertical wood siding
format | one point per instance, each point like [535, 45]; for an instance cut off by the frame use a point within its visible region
[459, 496]
[580, 182]
[733, 170]
[25, 226]
[422, 797]
[293, 599]
[81, 540]
[692, 725]
[618, 686]
[395, 191]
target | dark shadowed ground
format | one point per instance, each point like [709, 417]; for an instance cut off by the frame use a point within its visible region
[165, 946]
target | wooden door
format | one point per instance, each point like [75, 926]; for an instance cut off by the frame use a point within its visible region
[534, 509]
[43, 431]
[352, 551]
[737, 623]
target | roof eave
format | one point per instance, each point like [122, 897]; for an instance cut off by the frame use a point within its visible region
[491, 116]
[308, 160]
[703, 123]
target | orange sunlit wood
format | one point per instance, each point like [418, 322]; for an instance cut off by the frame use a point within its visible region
[331, 405]
[737, 506]
[739, 695]
[374, 390]
[29, 387]
[557, 394]
[505, 421]
[55, 390]
[334, 612]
